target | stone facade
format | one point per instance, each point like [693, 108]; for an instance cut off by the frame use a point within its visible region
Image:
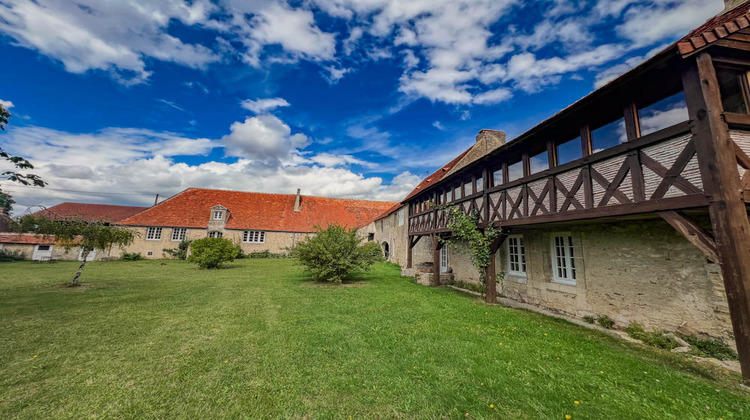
[390, 232]
[639, 271]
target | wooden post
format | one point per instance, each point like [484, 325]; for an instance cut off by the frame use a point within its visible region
[409, 248]
[490, 272]
[436, 245]
[729, 220]
[585, 141]
[632, 126]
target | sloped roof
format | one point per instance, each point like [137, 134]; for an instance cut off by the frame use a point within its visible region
[259, 211]
[720, 26]
[436, 176]
[26, 239]
[385, 214]
[90, 212]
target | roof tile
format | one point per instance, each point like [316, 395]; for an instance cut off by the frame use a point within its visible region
[90, 212]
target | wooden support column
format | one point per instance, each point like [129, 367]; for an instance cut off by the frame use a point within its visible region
[409, 247]
[693, 233]
[491, 272]
[585, 141]
[436, 245]
[729, 220]
[632, 126]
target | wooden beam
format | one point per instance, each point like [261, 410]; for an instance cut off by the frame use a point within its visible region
[551, 154]
[632, 125]
[436, 245]
[491, 272]
[693, 233]
[718, 166]
[585, 141]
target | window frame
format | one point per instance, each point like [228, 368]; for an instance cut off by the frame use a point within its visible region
[220, 213]
[256, 237]
[522, 262]
[181, 237]
[156, 236]
[401, 217]
[569, 258]
[215, 234]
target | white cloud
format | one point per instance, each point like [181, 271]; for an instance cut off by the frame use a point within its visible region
[333, 74]
[438, 125]
[263, 105]
[6, 104]
[648, 23]
[491, 97]
[263, 137]
[332, 160]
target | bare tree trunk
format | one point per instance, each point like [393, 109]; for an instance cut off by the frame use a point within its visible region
[84, 255]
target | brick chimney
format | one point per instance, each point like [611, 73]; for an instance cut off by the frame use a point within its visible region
[297, 201]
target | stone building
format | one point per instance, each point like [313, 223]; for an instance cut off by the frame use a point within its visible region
[255, 221]
[630, 203]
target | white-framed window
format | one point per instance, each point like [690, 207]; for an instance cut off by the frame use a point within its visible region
[254, 236]
[563, 259]
[215, 234]
[218, 215]
[153, 233]
[516, 256]
[401, 217]
[179, 234]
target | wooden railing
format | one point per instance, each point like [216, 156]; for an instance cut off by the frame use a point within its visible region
[656, 172]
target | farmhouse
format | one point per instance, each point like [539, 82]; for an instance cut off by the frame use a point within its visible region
[630, 203]
[255, 221]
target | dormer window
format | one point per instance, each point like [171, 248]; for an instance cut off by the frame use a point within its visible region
[218, 215]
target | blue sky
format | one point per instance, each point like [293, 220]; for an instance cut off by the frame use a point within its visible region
[117, 101]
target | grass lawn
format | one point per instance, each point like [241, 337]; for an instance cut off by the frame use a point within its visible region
[258, 339]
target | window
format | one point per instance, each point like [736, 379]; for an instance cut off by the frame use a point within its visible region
[258, 237]
[497, 177]
[218, 215]
[215, 234]
[401, 217]
[563, 259]
[733, 85]
[179, 234]
[516, 256]
[153, 233]
[569, 151]
[457, 193]
[480, 184]
[539, 162]
[515, 171]
[663, 113]
[467, 189]
[370, 237]
[608, 135]
[43, 247]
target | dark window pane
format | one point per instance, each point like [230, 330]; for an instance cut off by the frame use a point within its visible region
[608, 135]
[497, 177]
[539, 162]
[515, 171]
[730, 86]
[662, 114]
[569, 151]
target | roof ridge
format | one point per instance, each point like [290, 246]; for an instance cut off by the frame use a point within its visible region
[281, 194]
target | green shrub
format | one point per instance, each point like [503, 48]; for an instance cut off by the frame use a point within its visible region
[590, 319]
[710, 348]
[240, 252]
[9, 256]
[267, 255]
[180, 252]
[333, 253]
[605, 322]
[131, 256]
[212, 252]
[654, 339]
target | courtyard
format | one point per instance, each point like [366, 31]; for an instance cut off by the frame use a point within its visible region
[152, 339]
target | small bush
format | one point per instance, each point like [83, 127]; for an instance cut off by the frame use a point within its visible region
[267, 255]
[654, 339]
[590, 319]
[333, 253]
[180, 252]
[212, 252]
[605, 322]
[710, 348]
[10, 256]
[131, 256]
[240, 252]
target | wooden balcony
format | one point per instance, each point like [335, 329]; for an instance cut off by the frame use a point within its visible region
[656, 172]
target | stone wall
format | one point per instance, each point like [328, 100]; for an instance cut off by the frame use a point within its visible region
[389, 230]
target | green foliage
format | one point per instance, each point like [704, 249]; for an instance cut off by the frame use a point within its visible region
[10, 256]
[131, 256]
[17, 162]
[333, 253]
[654, 339]
[710, 348]
[180, 252]
[590, 319]
[212, 252]
[605, 322]
[266, 254]
[465, 231]
[6, 202]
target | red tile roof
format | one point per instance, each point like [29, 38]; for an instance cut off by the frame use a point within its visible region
[720, 26]
[90, 212]
[257, 211]
[384, 214]
[26, 239]
[435, 176]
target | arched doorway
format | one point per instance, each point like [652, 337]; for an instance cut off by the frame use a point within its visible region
[386, 250]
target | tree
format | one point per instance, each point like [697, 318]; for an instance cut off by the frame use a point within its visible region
[77, 233]
[333, 253]
[212, 252]
[18, 163]
[467, 236]
[180, 252]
